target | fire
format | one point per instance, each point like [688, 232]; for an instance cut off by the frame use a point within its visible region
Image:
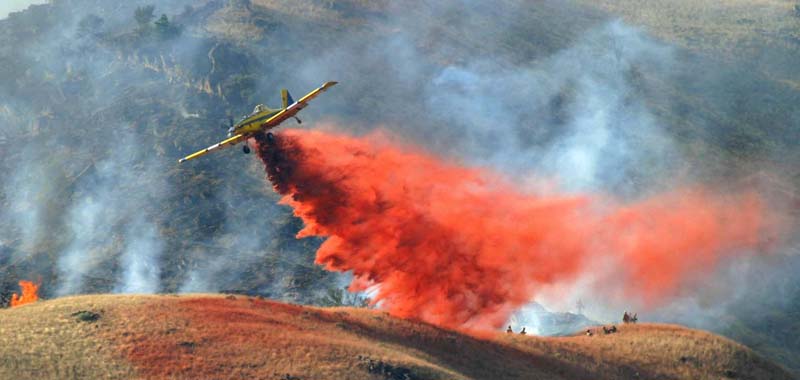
[462, 248]
[29, 294]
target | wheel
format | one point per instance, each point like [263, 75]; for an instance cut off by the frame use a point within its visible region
[270, 138]
[246, 149]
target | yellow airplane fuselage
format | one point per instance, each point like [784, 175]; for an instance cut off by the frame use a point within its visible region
[255, 123]
[262, 120]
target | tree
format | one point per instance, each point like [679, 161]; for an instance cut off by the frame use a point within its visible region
[341, 297]
[165, 29]
[144, 15]
[90, 25]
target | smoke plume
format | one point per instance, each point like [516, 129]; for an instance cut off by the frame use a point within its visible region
[463, 247]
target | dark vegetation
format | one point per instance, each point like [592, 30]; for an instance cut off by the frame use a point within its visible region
[79, 79]
[386, 370]
[86, 316]
[341, 297]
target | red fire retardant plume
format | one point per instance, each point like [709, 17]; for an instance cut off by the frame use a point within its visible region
[461, 248]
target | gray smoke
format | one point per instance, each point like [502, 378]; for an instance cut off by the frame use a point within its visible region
[242, 243]
[113, 216]
[30, 188]
[140, 260]
[588, 118]
[570, 106]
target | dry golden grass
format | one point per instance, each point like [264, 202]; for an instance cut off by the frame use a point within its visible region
[44, 341]
[340, 12]
[217, 337]
[649, 351]
[253, 23]
[725, 26]
[764, 32]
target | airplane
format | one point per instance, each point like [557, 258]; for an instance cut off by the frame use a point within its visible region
[261, 120]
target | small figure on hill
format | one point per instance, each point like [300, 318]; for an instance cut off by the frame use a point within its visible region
[509, 330]
[589, 332]
[606, 331]
[522, 332]
[635, 318]
[626, 318]
[613, 328]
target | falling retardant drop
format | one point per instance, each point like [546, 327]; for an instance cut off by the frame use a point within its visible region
[463, 248]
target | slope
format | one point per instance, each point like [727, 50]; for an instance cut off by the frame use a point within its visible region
[216, 337]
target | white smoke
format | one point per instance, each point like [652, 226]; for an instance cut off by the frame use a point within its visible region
[246, 240]
[29, 188]
[112, 216]
[140, 259]
[589, 116]
[602, 132]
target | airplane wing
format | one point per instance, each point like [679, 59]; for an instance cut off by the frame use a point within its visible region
[295, 107]
[313, 94]
[223, 144]
[273, 121]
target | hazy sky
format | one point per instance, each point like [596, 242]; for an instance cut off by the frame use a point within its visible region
[7, 6]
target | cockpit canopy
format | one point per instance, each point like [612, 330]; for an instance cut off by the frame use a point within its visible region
[260, 108]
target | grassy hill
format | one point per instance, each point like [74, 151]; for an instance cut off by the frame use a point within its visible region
[766, 32]
[216, 337]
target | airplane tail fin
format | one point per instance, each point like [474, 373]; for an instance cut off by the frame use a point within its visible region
[286, 98]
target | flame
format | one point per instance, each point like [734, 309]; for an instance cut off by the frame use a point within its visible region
[29, 294]
[462, 248]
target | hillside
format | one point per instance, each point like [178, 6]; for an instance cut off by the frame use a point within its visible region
[763, 37]
[95, 109]
[215, 337]
[765, 33]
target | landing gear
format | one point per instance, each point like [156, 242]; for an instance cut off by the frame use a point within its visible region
[270, 138]
[298, 120]
[246, 149]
